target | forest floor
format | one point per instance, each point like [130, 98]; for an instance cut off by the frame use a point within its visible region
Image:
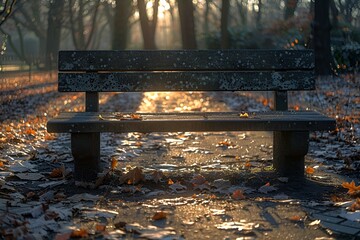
[176, 185]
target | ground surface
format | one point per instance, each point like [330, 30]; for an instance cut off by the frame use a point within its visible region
[175, 185]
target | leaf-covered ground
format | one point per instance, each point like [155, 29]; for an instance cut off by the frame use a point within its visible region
[173, 185]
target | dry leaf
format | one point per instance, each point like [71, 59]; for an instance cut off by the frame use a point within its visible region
[135, 117]
[248, 164]
[159, 215]
[100, 227]
[351, 186]
[157, 176]
[198, 180]
[244, 115]
[57, 173]
[1, 164]
[310, 170]
[30, 131]
[238, 195]
[134, 176]
[114, 163]
[170, 182]
[295, 218]
[79, 233]
[355, 206]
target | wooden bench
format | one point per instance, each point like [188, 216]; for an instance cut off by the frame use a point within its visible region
[180, 70]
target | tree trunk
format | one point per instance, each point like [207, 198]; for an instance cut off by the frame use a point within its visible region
[242, 11]
[148, 27]
[53, 32]
[259, 15]
[225, 36]
[187, 23]
[121, 24]
[321, 34]
[290, 7]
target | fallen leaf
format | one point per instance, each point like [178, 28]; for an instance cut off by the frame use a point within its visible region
[355, 206]
[133, 176]
[135, 117]
[244, 115]
[79, 233]
[170, 182]
[29, 176]
[30, 131]
[247, 164]
[159, 215]
[310, 170]
[100, 227]
[114, 163]
[351, 186]
[295, 218]
[57, 173]
[267, 188]
[157, 176]
[177, 187]
[238, 195]
[198, 179]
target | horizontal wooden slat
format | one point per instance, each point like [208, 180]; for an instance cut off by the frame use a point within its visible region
[185, 81]
[177, 60]
[176, 122]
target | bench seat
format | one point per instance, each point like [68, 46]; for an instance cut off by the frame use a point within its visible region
[91, 122]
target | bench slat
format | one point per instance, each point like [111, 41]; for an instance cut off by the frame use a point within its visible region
[177, 60]
[185, 81]
[179, 122]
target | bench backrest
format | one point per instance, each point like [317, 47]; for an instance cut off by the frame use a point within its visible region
[185, 70]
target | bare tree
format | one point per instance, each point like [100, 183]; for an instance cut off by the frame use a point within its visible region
[83, 19]
[187, 23]
[321, 32]
[225, 36]
[121, 24]
[148, 26]
[55, 20]
[6, 9]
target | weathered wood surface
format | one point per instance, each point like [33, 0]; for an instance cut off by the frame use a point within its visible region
[201, 121]
[186, 81]
[177, 60]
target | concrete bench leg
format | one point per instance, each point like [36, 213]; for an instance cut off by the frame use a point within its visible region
[290, 149]
[85, 149]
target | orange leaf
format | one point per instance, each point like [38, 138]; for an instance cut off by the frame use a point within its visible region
[30, 131]
[79, 233]
[310, 170]
[170, 182]
[238, 195]
[49, 137]
[267, 184]
[1, 164]
[295, 218]
[134, 176]
[159, 215]
[57, 172]
[355, 206]
[248, 164]
[100, 227]
[114, 163]
[351, 186]
[135, 117]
